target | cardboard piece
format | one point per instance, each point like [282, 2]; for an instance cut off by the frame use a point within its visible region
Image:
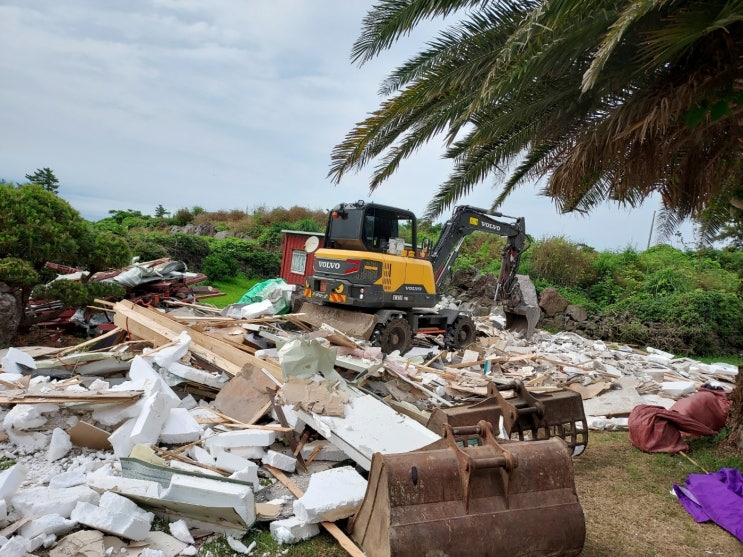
[244, 395]
[84, 434]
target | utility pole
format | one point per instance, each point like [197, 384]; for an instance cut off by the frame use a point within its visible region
[652, 223]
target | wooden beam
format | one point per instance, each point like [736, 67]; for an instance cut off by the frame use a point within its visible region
[150, 324]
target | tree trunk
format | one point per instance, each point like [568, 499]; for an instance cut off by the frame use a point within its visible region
[11, 312]
[734, 439]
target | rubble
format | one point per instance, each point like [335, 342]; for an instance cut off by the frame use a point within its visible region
[201, 428]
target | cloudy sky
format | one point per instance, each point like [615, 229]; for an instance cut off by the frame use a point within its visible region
[221, 104]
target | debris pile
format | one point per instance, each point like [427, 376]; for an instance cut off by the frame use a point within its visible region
[213, 422]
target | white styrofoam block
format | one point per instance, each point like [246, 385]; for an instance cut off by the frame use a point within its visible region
[149, 552]
[22, 417]
[48, 524]
[179, 530]
[187, 467]
[115, 520]
[142, 373]
[658, 359]
[188, 402]
[10, 479]
[677, 388]
[28, 442]
[241, 438]
[231, 462]
[293, 530]
[73, 476]
[38, 501]
[190, 489]
[180, 427]
[331, 495]
[42, 540]
[59, 445]
[13, 357]
[121, 439]
[328, 451]
[200, 455]
[149, 423]
[254, 453]
[214, 380]
[166, 356]
[14, 547]
[248, 474]
[125, 486]
[238, 546]
[113, 414]
[281, 461]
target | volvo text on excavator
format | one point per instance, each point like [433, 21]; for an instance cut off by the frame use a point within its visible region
[373, 281]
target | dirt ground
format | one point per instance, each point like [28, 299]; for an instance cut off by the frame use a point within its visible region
[628, 507]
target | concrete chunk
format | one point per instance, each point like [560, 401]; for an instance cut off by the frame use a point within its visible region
[331, 495]
[293, 530]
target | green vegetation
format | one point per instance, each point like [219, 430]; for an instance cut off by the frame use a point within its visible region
[233, 289]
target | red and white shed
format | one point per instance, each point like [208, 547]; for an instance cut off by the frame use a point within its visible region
[298, 254]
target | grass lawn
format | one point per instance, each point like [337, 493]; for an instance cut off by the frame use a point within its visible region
[233, 289]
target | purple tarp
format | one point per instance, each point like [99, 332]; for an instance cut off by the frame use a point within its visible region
[717, 496]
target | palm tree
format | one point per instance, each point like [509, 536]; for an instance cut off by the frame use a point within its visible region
[606, 99]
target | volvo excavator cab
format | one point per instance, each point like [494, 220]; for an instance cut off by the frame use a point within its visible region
[371, 281]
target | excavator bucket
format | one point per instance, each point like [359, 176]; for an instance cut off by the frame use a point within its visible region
[353, 323]
[525, 416]
[522, 308]
[469, 494]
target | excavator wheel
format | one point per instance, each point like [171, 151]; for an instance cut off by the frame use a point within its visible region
[395, 335]
[461, 333]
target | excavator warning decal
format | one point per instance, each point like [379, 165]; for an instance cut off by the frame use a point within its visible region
[473, 221]
[337, 298]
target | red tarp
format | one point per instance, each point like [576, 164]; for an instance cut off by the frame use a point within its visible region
[654, 429]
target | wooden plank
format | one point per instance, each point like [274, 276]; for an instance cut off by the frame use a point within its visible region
[22, 397]
[158, 327]
[344, 541]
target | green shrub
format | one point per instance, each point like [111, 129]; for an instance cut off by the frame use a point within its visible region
[74, 293]
[219, 266]
[182, 217]
[17, 272]
[563, 263]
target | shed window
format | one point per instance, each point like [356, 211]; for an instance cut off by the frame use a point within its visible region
[299, 261]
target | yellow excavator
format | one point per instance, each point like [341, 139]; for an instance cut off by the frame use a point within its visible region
[372, 280]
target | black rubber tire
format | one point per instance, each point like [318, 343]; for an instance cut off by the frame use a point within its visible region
[396, 335]
[461, 333]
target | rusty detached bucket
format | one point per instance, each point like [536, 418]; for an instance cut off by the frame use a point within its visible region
[470, 495]
[525, 416]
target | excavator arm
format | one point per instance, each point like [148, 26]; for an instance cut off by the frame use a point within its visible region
[515, 292]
